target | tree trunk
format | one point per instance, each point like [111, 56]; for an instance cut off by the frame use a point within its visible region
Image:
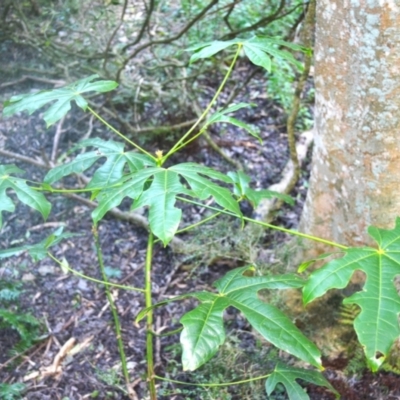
[355, 179]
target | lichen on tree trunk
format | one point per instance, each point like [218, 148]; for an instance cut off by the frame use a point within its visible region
[355, 179]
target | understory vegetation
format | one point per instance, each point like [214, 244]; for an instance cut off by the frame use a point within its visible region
[131, 94]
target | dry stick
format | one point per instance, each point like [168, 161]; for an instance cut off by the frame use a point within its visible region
[56, 140]
[19, 157]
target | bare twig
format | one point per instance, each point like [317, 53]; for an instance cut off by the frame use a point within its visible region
[260, 23]
[226, 16]
[108, 46]
[19, 157]
[90, 129]
[162, 41]
[56, 140]
[149, 12]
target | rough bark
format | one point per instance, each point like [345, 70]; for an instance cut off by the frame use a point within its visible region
[355, 179]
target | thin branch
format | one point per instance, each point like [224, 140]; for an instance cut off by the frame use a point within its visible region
[226, 16]
[162, 41]
[108, 46]
[149, 12]
[156, 129]
[56, 140]
[262, 22]
[19, 157]
[307, 35]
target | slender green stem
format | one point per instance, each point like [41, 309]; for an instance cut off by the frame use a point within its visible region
[89, 278]
[149, 321]
[180, 142]
[110, 299]
[257, 378]
[189, 227]
[203, 221]
[136, 146]
[194, 137]
[277, 228]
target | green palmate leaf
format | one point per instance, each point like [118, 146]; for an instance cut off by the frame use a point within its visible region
[25, 193]
[160, 194]
[203, 329]
[110, 172]
[164, 217]
[61, 96]
[258, 49]
[287, 376]
[204, 188]
[130, 186]
[220, 116]
[257, 56]
[206, 50]
[304, 265]
[377, 324]
[38, 251]
[242, 189]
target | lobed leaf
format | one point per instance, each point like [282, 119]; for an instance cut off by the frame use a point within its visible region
[377, 324]
[242, 189]
[220, 116]
[206, 50]
[203, 332]
[110, 172]
[39, 250]
[164, 217]
[25, 193]
[203, 327]
[130, 186]
[269, 45]
[257, 56]
[204, 188]
[62, 97]
[258, 49]
[287, 376]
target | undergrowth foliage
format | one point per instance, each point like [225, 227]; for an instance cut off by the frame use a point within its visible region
[137, 174]
[24, 324]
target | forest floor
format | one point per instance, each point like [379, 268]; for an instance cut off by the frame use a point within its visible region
[75, 311]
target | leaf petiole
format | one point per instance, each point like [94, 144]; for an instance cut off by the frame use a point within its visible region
[277, 228]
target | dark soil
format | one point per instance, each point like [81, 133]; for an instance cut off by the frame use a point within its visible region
[72, 307]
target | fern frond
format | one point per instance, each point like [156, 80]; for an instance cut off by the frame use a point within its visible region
[25, 324]
[11, 392]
